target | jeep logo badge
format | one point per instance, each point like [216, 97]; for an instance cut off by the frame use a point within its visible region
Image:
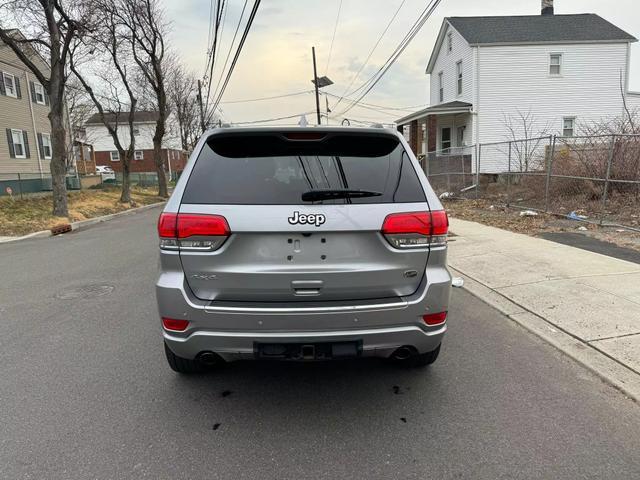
[316, 219]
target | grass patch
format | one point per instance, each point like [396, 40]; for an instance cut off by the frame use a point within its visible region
[20, 217]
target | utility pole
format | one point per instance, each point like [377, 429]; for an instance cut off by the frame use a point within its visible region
[200, 104]
[315, 82]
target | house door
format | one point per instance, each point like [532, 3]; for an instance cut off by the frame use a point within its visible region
[445, 139]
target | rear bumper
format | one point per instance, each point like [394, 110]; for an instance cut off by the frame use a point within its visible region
[380, 342]
[233, 330]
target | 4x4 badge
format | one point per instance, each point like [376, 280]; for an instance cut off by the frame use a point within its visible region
[316, 219]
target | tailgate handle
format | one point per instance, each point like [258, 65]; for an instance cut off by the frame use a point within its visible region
[307, 287]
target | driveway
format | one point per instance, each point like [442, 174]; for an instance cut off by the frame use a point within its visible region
[85, 391]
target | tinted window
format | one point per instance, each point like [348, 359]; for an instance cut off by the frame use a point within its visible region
[269, 170]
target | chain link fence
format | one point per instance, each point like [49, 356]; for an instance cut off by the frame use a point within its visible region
[451, 170]
[589, 178]
[23, 184]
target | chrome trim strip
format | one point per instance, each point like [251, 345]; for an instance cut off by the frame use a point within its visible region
[343, 308]
[308, 334]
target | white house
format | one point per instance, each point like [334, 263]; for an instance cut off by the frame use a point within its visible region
[561, 70]
[143, 131]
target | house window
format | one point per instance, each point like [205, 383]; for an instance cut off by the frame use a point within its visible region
[115, 156]
[441, 86]
[445, 139]
[138, 155]
[10, 85]
[568, 126]
[459, 77]
[18, 144]
[460, 135]
[46, 145]
[449, 42]
[555, 63]
[406, 132]
[39, 93]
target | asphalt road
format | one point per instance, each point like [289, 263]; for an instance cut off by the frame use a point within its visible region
[85, 391]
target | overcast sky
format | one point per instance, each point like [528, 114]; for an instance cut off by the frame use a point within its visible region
[276, 58]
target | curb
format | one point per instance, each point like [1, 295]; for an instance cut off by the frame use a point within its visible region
[82, 224]
[609, 370]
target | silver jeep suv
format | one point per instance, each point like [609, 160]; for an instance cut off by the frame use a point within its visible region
[302, 244]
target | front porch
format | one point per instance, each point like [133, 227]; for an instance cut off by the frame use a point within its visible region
[442, 137]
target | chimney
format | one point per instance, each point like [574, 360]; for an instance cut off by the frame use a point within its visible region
[547, 7]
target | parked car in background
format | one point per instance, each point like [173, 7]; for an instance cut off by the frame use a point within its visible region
[300, 244]
[106, 173]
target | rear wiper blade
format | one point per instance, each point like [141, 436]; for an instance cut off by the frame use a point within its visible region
[314, 195]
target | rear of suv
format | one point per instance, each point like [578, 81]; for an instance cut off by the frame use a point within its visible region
[302, 244]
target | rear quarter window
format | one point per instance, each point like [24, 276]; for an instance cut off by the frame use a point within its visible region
[245, 169]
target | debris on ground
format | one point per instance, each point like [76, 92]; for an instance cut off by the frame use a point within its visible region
[444, 195]
[479, 210]
[528, 213]
[583, 228]
[576, 216]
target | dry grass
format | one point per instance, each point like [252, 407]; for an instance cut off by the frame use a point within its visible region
[20, 217]
[484, 211]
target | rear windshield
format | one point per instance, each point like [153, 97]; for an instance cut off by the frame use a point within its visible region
[275, 170]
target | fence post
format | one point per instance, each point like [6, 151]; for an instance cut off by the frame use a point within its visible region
[426, 164]
[552, 141]
[20, 186]
[606, 180]
[509, 175]
[478, 169]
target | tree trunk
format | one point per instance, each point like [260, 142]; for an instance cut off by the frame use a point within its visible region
[125, 196]
[58, 165]
[162, 177]
[157, 157]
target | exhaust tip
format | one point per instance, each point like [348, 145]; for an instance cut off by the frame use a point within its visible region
[402, 353]
[209, 359]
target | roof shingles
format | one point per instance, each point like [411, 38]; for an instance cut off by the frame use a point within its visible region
[586, 27]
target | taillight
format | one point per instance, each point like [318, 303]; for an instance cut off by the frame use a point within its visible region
[435, 318]
[189, 231]
[416, 229]
[174, 324]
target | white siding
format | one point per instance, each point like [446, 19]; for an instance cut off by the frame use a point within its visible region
[102, 141]
[516, 78]
[446, 63]
[633, 102]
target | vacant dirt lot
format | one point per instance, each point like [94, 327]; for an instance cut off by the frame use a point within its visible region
[20, 217]
[484, 211]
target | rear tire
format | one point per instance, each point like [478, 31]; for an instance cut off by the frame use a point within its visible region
[182, 365]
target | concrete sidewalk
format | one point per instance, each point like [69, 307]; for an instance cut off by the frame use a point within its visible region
[570, 296]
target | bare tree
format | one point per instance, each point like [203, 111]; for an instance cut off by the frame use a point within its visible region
[527, 136]
[49, 28]
[147, 30]
[109, 46]
[183, 97]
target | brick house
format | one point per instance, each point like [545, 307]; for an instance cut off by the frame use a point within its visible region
[144, 125]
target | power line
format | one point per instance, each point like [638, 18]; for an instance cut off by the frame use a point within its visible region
[252, 16]
[220, 6]
[233, 41]
[335, 28]
[266, 98]
[375, 46]
[397, 52]
[267, 120]
[411, 108]
[225, 9]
